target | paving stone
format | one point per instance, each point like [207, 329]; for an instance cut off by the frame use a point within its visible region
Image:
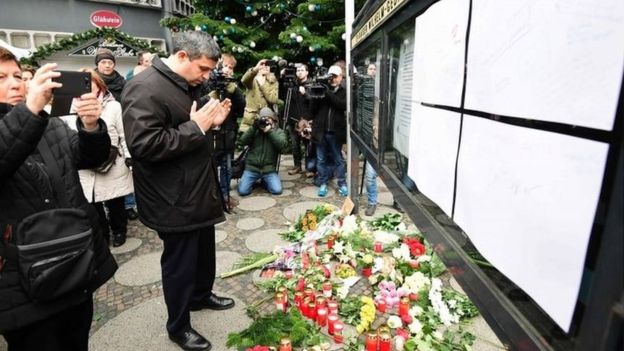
[140, 270]
[250, 223]
[455, 285]
[486, 340]
[225, 261]
[385, 198]
[265, 240]
[292, 212]
[256, 203]
[220, 235]
[130, 245]
[312, 192]
[143, 327]
[285, 176]
[285, 192]
[287, 185]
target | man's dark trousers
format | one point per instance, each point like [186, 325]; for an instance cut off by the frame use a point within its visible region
[188, 273]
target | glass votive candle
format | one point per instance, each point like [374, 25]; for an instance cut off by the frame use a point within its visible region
[321, 317]
[332, 319]
[372, 341]
[338, 328]
[381, 305]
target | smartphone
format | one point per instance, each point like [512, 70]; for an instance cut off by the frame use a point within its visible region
[74, 84]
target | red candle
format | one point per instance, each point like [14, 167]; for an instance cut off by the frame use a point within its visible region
[331, 321]
[327, 289]
[385, 342]
[378, 247]
[371, 342]
[330, 242]
[312, 310]
[367, 271]
[381, 305]
[333, 307]
[310, 294]
[404, 306]
[281, 302]
[321, 301]
[321, 317]
[285, 345]
[304, 307]
[298, 298]
[338, 327]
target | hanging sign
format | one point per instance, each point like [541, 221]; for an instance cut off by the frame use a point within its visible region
[119, 48]
[105, 18]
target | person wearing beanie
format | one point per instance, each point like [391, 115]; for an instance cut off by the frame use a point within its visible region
[266, 140]
[105, 68]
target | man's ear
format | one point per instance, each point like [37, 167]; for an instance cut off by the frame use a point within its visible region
[181, 55]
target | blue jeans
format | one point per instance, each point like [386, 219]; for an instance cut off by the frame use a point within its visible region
[326, 150]
[371, 184]
[225, 174]
[129, 201]
[272, 181]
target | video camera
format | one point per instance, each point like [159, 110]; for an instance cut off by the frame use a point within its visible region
[320, 84]
[219, 81]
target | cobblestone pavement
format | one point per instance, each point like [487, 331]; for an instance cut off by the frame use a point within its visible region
[135, 292]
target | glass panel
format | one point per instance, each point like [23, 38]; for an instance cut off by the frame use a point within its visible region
[366, 90]
[395, 156]
[396, 132]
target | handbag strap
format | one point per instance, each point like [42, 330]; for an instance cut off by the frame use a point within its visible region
[54, 172]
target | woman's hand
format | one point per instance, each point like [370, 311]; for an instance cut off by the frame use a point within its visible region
[89, 110]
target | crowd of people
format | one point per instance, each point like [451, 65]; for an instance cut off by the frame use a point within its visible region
[160, 144]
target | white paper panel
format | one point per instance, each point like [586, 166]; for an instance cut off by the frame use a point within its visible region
[434, 136]
[440, 52]
[558, 61]
[527, 200]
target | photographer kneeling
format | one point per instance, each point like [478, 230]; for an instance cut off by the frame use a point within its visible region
[266, 142]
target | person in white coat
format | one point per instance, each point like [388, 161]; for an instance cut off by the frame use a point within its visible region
[110, 183]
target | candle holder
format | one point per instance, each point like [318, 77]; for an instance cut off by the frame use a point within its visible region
[372, 342]
[332, 319]
[338, 328]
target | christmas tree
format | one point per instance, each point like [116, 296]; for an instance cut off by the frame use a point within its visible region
[295, 30]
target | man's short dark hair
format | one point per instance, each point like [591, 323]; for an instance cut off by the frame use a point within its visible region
[6, 55]
[196, 44]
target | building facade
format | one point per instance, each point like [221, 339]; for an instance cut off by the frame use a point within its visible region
[29, 24]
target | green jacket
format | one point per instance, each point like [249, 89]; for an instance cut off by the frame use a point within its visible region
[264, 149]
[257, 96]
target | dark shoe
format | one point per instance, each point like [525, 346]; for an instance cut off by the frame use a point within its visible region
[119, 239]
[370, 210]
[191, 340]
[214, 302]
[295, 170]
[132, 215]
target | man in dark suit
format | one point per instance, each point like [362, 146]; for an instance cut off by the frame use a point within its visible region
[176, 185]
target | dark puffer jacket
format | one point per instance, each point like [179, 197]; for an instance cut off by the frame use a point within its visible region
[329, 115]
[25, 189]
[264, 149]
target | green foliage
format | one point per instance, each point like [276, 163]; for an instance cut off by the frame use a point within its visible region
[388, 222]
[268, 330]
[270, 28]
[350, 310]
[292, 235]
[433, 268]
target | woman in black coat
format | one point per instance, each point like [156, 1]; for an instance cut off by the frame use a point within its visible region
[60, 323]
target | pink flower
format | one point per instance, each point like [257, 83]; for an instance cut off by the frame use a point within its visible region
[258, 348]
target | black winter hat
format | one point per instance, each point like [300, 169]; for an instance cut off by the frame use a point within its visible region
[104, 54]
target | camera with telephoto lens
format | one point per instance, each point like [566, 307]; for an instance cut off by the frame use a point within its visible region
[262, 122]
[289, 76]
